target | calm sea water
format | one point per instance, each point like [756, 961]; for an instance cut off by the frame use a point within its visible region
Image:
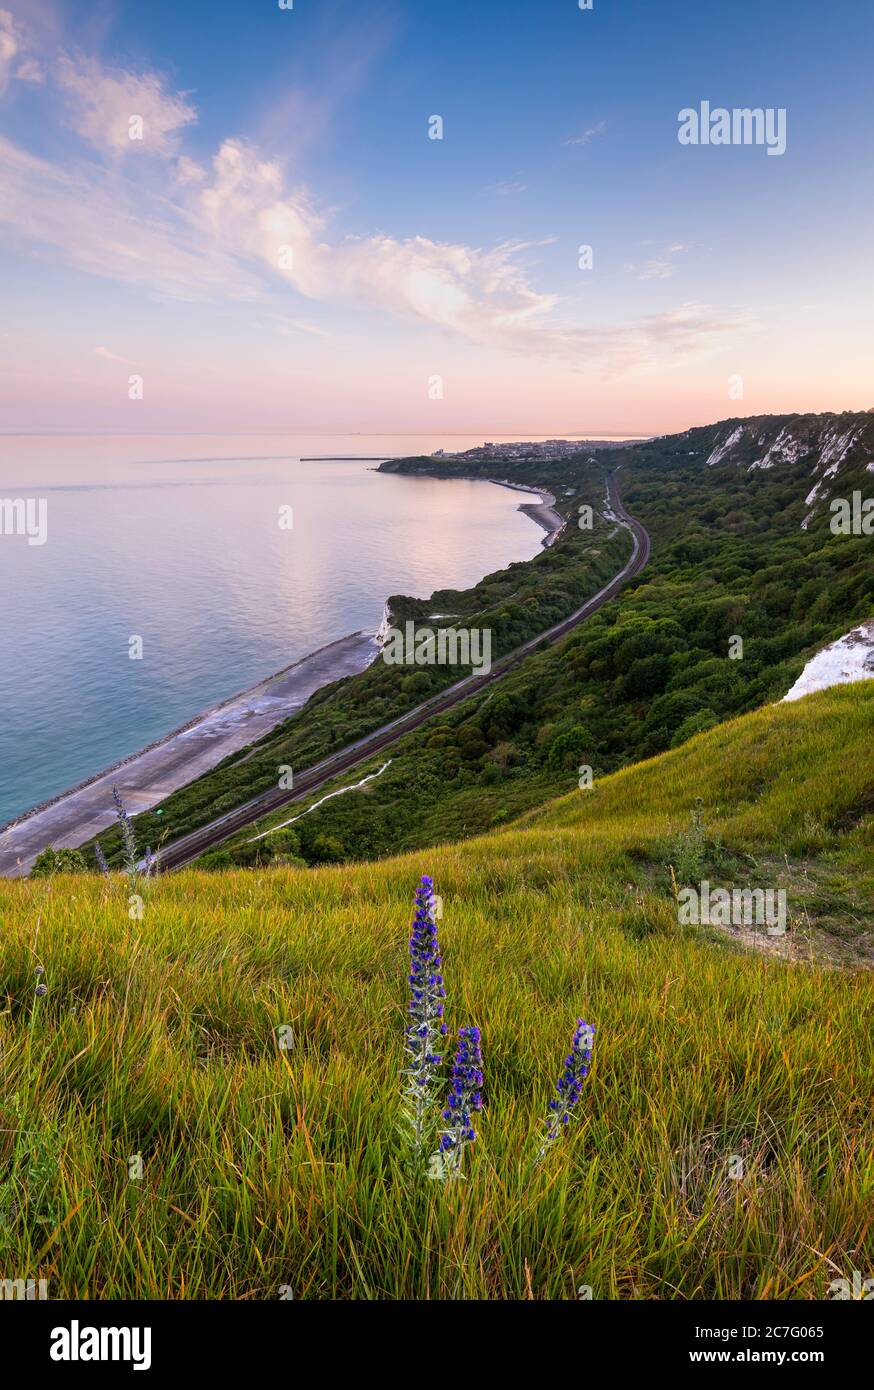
[177, 541]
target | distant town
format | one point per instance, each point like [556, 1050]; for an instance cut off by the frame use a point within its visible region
[541, 449]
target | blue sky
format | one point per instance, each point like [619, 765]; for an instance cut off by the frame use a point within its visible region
[418, 259]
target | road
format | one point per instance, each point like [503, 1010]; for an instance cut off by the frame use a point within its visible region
[191, 847]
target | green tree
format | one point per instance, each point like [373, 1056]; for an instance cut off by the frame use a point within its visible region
[326, 849]
[566, 750]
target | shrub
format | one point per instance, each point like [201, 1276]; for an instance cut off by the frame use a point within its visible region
[58, 861]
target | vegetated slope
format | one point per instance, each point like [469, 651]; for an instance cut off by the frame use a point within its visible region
[725, 506]
[264, 1167]
[779, 472]
[514, 604]
[731, 559]
[832, 453]
[777, 464]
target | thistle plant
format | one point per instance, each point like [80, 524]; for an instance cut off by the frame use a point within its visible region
[128, 839]
[464, 1101]
[569, 1086]
[425, 1027]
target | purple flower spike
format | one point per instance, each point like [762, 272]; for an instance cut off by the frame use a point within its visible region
[426, 1027]
[463, 1102]
[570, 1084]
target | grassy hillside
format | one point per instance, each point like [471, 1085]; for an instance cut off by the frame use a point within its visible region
[264, 1167]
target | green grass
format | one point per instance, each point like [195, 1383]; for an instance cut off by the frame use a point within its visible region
[265, 1168]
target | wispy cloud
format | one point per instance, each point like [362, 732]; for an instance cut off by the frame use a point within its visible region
[9, 44]
[112, 356]
[105, 101]
[15, 62]
[507, 187]
[660, 267]
[233, 228]
[112, 227]
[340, 64]
[653, 269]
[290, 328]
[587, 135]
[29, 70]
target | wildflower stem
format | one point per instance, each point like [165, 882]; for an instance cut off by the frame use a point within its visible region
[426, 1027]
[569, 1087]
[464, 1101]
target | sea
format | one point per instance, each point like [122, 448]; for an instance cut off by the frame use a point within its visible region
[155, 576]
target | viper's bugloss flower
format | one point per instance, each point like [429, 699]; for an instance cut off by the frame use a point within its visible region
[102, 864]
[463, 1102]
[127, 835]
[425, 1027]
[569, 1087]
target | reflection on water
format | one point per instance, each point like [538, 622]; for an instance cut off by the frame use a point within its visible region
[153, 538]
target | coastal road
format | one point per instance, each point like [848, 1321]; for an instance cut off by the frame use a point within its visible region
[191, 847]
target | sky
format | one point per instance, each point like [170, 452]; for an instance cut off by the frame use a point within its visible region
[227, 216]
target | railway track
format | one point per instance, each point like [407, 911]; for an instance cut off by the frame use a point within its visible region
[190, 847]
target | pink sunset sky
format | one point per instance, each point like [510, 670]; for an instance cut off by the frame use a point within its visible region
[286, 249]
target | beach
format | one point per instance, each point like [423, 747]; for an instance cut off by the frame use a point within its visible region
[147, 777]
[543, 512]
